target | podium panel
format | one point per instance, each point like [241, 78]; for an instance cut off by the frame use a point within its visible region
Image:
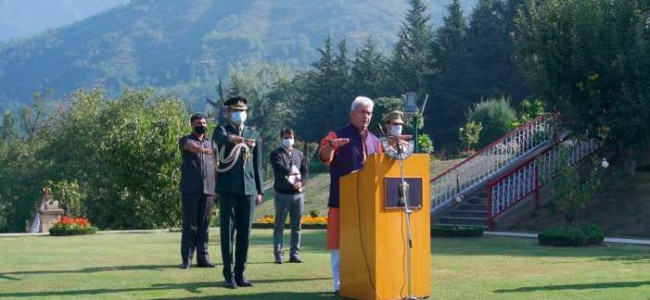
[373, 237]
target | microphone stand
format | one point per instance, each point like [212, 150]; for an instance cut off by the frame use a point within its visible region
[403, 198]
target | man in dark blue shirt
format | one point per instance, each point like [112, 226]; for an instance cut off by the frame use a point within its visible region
[290, 170]
[197, 189]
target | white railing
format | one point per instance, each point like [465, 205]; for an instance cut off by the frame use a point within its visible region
[476, 169]
[519, 183]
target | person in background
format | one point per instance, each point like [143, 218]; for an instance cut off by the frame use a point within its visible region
[290, 170]
[345, 151]
[197, 193]
[239, 185]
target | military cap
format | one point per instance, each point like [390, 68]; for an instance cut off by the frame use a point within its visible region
[236, 103]
[395, 116]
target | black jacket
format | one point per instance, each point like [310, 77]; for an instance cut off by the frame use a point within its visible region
[282, 162]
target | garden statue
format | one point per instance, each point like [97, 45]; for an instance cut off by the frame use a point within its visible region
[50, 212]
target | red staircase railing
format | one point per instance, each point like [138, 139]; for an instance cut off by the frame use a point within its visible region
[519, 183]
[475, 170]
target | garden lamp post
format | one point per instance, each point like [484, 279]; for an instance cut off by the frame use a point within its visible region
[410, 100]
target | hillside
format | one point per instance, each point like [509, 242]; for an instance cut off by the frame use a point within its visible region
[174, 43]
[621, 207]
[22, 19]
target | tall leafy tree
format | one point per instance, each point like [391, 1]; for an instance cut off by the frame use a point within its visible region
[590, 60]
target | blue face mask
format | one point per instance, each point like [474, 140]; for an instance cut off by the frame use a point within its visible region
[238, 117]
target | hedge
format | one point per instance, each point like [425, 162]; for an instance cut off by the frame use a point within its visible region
[571, 236]
[456, 231]
[58, 231]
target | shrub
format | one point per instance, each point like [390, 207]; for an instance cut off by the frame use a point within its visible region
[457, 231]
[495, 115]
[571, 236]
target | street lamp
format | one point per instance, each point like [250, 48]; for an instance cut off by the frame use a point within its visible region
[410, 100]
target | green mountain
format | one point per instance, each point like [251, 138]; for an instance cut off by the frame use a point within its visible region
[172, 43]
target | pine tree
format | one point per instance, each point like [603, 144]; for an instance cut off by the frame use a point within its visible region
[369, 71]
[412, 64]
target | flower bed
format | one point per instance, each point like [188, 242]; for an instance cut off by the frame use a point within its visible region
[72, 226]
[311, 221]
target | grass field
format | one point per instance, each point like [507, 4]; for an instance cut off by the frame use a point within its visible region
[145, 266]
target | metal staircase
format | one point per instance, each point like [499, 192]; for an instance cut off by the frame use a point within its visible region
[469, 175]
[479, 189]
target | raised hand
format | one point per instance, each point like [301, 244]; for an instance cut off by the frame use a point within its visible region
[338, 142]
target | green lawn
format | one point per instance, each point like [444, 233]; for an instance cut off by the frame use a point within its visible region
[145, 266]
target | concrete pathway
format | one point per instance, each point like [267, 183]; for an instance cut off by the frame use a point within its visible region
[640, 242]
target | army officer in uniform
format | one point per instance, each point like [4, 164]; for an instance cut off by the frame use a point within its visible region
[239, 186]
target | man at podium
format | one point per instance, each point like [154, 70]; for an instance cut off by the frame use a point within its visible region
[345, 151]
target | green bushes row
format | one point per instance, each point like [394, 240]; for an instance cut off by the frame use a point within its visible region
[571, 236]
[456, 231]
[60, 231]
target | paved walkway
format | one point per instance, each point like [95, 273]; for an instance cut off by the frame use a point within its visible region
[641, 242]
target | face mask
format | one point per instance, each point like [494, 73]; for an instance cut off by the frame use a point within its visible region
[396, 129]
[238, 117]
[199, 129]
[287, 143]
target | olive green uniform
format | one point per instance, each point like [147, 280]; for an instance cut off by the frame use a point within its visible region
[237, 189]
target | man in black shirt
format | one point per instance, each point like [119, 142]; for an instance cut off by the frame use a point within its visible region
[290, 170]
[197, 189]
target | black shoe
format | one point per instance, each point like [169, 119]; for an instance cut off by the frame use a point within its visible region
[278, 260]
[295, 259]
[243, 282]
[186, 265]
[205, 264]
[230, 284]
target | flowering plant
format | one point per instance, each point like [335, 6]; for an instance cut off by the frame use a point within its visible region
[308, 219]
[72, 226]
[308, 222]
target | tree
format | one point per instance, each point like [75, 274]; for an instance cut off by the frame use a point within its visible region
[451, 89]
[495, 116]
[268, 109]
[412, 62]
[326, 96]
[590, 60]
[369, 71]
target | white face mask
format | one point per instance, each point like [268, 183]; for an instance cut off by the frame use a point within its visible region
[395, 129]
[238, 117]
[287, 143]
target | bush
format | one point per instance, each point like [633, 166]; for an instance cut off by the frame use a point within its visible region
[457, 231]
[571, 236]
[495, 115]
[54, 231]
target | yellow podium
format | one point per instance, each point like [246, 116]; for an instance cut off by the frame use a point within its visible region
[373, 236]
